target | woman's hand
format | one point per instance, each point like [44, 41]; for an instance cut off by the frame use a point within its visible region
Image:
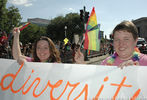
[21, 60]
[16, 31]
[79, 57]
[128, 63]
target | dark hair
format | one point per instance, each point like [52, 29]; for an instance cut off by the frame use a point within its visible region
[54, 53]
[127, 26]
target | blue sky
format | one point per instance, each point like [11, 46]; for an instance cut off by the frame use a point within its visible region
[109, 12]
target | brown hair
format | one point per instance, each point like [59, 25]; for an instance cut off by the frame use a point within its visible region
[128, 26]
[54, 53]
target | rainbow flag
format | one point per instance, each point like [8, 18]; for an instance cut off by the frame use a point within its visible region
[20, 28]
[92, 38]
[23, 26]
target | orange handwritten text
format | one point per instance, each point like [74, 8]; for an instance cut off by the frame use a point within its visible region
[82, 88]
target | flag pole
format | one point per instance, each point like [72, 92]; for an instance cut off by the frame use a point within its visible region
[85, 58]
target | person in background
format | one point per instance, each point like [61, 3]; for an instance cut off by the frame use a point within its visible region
[125, 36]
[111, 49]
[44, 50]
[4, 45]
[142, 48]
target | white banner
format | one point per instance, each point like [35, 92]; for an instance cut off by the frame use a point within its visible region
[50, 81]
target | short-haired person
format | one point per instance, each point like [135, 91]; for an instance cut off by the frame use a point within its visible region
[125, 36]
[44, 50]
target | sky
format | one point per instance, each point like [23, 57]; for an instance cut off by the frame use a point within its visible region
[109, 12]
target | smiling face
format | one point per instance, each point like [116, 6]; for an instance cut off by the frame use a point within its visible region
[42, 50]
[124, 44]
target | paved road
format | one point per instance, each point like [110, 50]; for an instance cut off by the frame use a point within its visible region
[97, 63]
[97, 60]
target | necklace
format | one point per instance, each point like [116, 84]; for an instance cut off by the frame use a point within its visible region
[111, 60]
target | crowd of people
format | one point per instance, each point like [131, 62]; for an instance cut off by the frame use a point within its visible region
[5, 49]
[122, 51]
[65, 51]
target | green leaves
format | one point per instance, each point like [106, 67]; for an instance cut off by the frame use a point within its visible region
[8, 17]
[56, 28]
[31, 33]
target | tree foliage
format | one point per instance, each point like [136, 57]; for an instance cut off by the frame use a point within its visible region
[56, 28]
[14, 17]
[3, 14]
[8, 17]
[32, 33]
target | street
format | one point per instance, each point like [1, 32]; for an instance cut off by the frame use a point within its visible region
[97, 63]
[96, 60]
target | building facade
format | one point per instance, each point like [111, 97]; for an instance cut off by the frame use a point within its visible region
[141, 25]
[39, 21]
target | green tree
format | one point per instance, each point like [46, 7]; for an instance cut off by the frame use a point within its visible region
[74, 25]
[56, 28]
[14, 18]
[32, 33]
[8, 17]
[3, 14]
